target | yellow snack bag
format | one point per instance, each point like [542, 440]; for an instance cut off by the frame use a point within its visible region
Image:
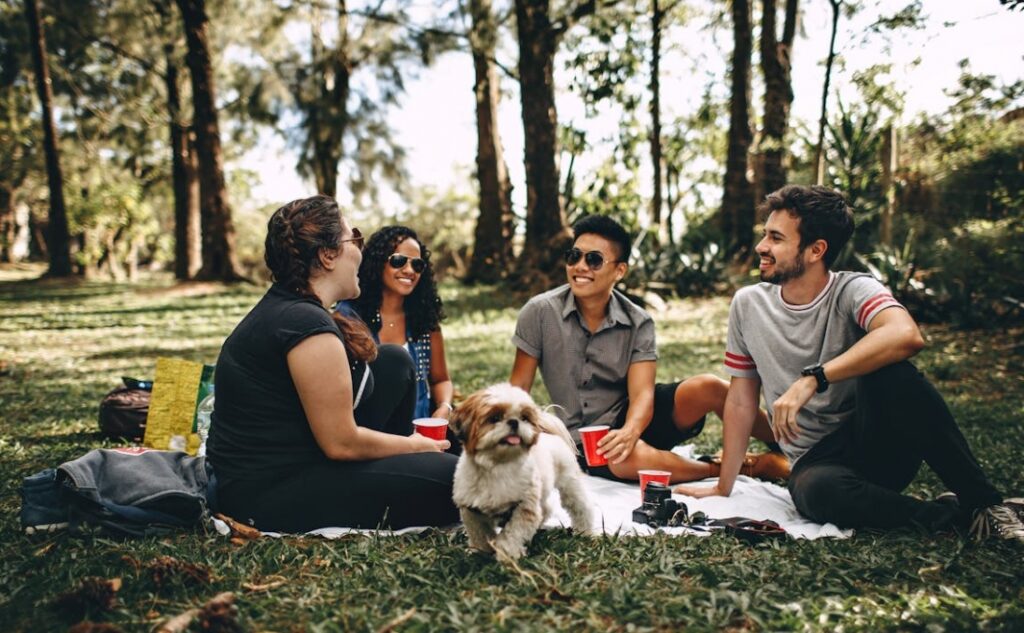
[177, 389]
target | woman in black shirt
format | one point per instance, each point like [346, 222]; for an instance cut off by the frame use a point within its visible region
[312, 422]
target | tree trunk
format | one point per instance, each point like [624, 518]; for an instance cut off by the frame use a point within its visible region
[492, 239]
[8, 225]
[187, 237]
[737, 214]
[546, 230]
[889, 160]
[776, 62]
[219, 260]
[819, 151]
[328, 113]
[58, 239]
[657, 220]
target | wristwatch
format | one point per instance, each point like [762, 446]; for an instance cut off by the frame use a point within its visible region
[819, 374]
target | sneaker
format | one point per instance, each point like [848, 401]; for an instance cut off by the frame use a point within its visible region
[999, 520]
[42, 507]
[1016, 504]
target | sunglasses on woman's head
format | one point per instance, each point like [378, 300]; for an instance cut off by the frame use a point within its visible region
[398, 262]
[593, 259]
[357, 239]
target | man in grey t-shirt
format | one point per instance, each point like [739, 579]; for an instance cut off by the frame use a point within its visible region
[596, 352]
[829, 350]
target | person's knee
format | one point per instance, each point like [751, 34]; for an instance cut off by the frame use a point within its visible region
[897, 376]
[394, 360]
[824, 494]
[697, 396]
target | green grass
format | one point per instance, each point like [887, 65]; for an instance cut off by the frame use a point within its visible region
[62, 346]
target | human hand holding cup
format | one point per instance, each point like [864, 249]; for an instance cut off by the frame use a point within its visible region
[434, 428]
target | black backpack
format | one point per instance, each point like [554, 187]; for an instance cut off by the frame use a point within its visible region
[123, 411]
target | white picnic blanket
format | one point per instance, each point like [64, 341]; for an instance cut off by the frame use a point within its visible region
[614, 503]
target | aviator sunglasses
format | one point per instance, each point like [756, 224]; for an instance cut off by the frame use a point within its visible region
[398, 262]
[593, 259]
[357, 238]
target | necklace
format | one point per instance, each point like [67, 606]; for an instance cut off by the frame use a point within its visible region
[389, 323]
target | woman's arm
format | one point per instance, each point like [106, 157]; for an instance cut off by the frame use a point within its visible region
[441, 388]
[319, 368]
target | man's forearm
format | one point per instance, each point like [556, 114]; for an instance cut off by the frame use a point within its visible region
[736, 431]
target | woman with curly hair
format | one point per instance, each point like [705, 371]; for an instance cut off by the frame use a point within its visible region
[312, 425]
[399, 301]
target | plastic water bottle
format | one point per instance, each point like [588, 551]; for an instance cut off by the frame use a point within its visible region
[203, 420]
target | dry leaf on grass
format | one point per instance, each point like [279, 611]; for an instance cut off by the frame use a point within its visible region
[92, 594]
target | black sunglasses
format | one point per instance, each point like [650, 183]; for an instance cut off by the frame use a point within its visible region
[357, 238]
[398, 262]
[593, 259]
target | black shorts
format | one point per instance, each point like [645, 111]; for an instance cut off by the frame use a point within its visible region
[662, 433]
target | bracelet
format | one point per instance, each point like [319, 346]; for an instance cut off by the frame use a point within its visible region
[450, 406]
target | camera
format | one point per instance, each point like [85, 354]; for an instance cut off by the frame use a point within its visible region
[659, 508]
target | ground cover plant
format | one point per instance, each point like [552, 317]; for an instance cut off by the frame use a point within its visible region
[63, 345]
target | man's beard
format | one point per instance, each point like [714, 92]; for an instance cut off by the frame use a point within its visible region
[784, 274]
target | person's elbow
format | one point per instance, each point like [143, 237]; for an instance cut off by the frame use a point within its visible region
[914, 339]
[340, 452]
[343, 449]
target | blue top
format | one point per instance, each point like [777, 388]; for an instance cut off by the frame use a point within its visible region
[419, 350]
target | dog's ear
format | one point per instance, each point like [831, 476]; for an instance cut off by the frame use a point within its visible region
[461, 419]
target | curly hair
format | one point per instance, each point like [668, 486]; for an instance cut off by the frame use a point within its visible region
[296, 233]
[423, 309]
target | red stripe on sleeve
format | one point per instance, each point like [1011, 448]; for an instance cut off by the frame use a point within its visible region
[871, 304]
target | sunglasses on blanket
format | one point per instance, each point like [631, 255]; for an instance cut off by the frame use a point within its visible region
[593, 259]
[398, 262]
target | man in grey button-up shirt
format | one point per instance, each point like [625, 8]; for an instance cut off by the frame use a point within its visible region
[597, 355]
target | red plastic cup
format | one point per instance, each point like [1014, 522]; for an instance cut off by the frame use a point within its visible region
[591, 435]
[434, 428]
[647, 476]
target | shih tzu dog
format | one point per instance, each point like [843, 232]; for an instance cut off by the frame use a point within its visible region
[514, 454]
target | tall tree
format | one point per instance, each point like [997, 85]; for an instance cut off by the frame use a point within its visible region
[219, 259]
[819, 150]
[539, 33]
[737, 213]
[657, 164]
[327, 112]
[58, 239]
[492, 238]
[776, 62]
[188, 252]
[184, 178]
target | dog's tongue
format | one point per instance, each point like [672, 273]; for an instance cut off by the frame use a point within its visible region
[513, 439]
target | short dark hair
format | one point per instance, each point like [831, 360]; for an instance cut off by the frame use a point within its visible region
[607, 228]
[823, 215]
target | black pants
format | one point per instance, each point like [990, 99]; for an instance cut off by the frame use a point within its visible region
[394, 492]
[853, 477]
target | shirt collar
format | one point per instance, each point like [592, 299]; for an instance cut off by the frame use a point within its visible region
[616, 313]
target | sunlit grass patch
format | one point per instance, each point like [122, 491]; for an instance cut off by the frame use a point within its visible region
[62, 346]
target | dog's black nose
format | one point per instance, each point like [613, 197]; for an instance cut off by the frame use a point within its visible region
[513, 423]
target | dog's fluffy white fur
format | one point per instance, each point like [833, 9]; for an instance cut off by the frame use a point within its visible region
[514, 455]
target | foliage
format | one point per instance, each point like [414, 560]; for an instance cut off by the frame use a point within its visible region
[63, 346]
[977, 278]
[444, 220]
[695, 266]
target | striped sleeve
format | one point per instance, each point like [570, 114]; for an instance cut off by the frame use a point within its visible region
[738, 361]
[868, 298]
